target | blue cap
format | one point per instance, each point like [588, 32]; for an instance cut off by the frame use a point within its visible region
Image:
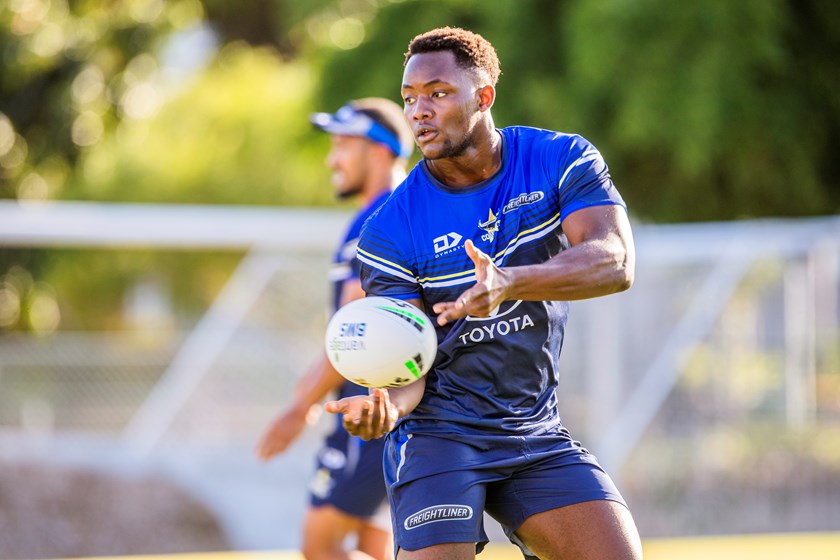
[351, 122]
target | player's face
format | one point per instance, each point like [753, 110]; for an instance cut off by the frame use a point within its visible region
[348, 160]
[441, 104]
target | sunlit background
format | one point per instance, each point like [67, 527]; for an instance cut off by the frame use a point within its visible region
[167, 221]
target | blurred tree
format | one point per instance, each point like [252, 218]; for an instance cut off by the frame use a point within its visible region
[280, 24]
[709, 111]
[131, 120]
[696, 106]
[713, 110]
[237, 133]
[70, 71]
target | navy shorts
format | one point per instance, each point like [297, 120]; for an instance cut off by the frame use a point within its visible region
[349, 476]
[439, 485]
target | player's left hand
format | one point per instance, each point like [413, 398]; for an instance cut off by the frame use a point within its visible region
[367, 416]
[484, 298]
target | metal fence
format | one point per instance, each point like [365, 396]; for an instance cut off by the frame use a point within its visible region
[710, 390]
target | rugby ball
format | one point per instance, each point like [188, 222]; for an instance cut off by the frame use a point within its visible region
[381, 342]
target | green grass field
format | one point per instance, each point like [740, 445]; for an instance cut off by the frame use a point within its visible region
[807, 546]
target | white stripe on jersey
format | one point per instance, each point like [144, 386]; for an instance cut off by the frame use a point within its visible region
[402, 456]
[538, 232]
[385, 267]
[464, 277]
[588, 155]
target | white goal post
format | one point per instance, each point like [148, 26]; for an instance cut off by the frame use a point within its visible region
[624, 392]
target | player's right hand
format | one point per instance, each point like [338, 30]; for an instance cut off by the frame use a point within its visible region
[483, 298]
[280, 434]
[367, 416]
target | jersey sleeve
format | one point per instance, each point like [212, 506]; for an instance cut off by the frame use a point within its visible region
[346, 256]
[585, 179]
[355, 268]
[385, 268]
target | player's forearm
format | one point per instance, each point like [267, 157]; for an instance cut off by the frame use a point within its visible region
[318, 381]
[589, 269]
[406, 398]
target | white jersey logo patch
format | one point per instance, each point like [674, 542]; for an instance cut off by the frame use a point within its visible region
[446, 242]
[491, 226]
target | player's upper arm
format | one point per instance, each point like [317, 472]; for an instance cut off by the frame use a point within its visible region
[386, 268]
[584, 179]
[351, 290]
[607, 222]
[607, 229]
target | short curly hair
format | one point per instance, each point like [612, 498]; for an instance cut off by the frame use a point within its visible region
[471, 50]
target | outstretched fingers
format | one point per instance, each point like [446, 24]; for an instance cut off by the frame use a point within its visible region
[477, 300]
[474, 253]
[377, 422]
[452, 310]
[366, 416]
[336, 407]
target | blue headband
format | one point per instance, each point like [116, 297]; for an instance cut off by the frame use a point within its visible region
[350, 122]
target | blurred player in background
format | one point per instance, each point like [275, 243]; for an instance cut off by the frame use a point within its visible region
[371, 143]
[506, 226]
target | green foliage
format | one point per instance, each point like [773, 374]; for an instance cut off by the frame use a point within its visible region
[705, 111]
[239, 133]
[94, 285]
[375, 66]
[68, 70]
[710, 110]
[277, 23]
[43, 289]
[699, 115]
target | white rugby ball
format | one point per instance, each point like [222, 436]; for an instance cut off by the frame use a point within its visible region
[381, 342]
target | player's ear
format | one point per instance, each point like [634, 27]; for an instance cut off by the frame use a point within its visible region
[486, 97]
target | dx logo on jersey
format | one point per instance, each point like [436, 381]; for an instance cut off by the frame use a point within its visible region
[448, 241]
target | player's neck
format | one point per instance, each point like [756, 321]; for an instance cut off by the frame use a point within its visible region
[378, 183]
[478, 162]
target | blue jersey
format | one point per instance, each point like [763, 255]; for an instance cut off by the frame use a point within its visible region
[500, 373]
[345, 267]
